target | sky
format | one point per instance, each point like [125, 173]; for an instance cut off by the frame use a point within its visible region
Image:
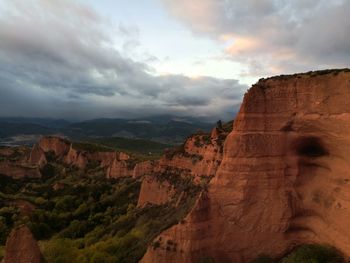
[132, 58]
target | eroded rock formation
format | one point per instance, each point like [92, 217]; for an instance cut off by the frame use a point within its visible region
[21, 247]
[198, 158]
[155, 192]
[14, 162]
[121, 166]
[284, 178]
[37, 156]
[17, 171]
[58, 145]
[116, 164]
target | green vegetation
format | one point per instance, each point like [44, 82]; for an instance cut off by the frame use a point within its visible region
[263, 259]
[80, 216]
[309, 253]
[227, 126]
[314, 254]
[91, 147]
[201, 140]
[2, 252]
[137, 148]
[308, 74]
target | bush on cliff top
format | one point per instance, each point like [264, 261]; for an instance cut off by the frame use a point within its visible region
[310, 253]
[314, 254]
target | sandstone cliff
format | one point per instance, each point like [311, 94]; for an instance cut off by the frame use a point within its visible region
[155, 192]
[58, 145]
[21, 247]
[116, 164]
[19, 170]
[284, 178]
[14, 162]
[37, 156]
[121, 166]
[198, 158]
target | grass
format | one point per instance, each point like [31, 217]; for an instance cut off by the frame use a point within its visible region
[139, 149]
[91, 147]
[307, 253]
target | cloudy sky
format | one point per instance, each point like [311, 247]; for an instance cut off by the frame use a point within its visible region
[131, 58]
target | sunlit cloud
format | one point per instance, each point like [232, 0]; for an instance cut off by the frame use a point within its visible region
[273, 36]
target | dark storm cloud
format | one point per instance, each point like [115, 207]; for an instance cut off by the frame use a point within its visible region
[273, 36]
[58, 59]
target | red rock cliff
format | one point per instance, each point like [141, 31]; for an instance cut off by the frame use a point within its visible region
[58, 145]
[284, 179]
[17, 162]
[21, 247]
[199, 157]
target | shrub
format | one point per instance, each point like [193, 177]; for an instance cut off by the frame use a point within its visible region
[40, 201]
[101, 257]
[263, 259]
[206, 260]
[4, 230]
[40, 230]
[48, 171]
[2, 253]
[65, 203]
[61, 251]
[313, 253]
[50, 156]
[156, 245]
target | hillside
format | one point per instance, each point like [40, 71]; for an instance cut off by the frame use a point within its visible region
[270, 187]
[165, 129]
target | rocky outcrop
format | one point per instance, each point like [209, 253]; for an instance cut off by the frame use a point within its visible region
[105, 158]
[37, 156]
[17, 162]
[116, 164]
[121, 166]
[284, 178]
[201, 155]
[155, 192]
[21, 247]
[19, 170]
[143, 168]
[58, 145]
[76, 158]
[199, 158]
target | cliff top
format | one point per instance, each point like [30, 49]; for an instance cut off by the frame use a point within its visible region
[305, 74]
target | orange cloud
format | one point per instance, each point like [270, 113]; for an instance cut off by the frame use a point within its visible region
[242, 45]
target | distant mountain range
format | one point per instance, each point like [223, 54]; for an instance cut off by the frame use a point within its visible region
[163, 128]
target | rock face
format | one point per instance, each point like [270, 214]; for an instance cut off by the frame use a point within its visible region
[121, 166]
[58, 145]
[143, 168]
[21, 247]
[198, 158]
[200, 155]
[37, 156]
[76, 158]
[116, 164]
[16, 162]
[154, 192]
[284, 178]
[105, 158]
[19, 170]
